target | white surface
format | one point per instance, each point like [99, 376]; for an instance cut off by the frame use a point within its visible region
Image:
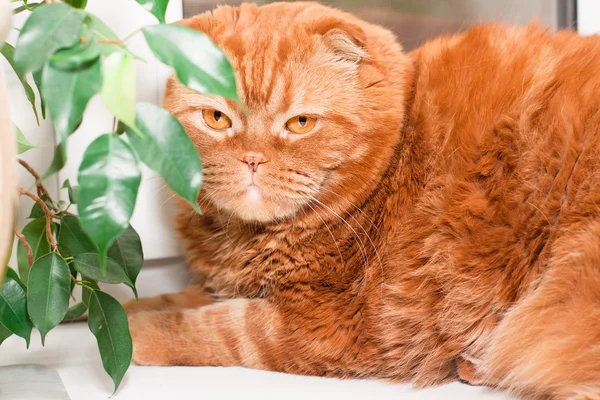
[153, 216]
[72, 350]
[588, 17]
[31, 382]
[5, 17]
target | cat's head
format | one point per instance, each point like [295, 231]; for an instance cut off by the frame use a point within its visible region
[324, 98]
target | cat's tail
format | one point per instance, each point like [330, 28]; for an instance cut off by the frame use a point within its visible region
[548, 347]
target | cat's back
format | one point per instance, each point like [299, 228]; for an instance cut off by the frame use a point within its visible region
[492, 72]
[509, 120]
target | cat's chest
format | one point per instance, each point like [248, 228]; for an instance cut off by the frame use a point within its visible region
[262, 265]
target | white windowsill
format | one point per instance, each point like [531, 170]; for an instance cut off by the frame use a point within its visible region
[71, 349]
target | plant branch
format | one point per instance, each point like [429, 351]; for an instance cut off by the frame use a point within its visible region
[26, 245]
[101, 41]
[28, 7]
[41, 189]
[48, 213]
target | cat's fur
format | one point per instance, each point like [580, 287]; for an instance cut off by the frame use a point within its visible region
[442, 221]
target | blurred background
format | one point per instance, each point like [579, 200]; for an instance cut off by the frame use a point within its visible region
[415, 21]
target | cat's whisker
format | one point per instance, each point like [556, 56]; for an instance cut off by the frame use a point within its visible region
[355, 207]
[362, 247]
[332, 237]
[227, 228]
[379, 259]
[364, 230]
[168, 199]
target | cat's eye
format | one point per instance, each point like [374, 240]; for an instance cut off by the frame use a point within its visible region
[216, 119]
[301, 124]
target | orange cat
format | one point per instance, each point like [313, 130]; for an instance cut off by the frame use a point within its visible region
[414, 217]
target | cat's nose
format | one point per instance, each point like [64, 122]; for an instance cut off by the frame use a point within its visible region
[254, 160]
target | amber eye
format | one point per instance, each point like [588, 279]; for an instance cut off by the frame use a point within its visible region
[216, 119]
[301, 124]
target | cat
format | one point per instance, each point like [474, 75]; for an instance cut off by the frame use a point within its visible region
[420, 217]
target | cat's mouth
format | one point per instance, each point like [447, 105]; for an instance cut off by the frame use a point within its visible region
[256, 203]
[253, 194]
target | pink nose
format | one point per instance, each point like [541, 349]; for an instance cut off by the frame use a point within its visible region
[254, 160]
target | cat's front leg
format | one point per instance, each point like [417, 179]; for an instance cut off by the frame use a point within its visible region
[193, 296]
[254, 333]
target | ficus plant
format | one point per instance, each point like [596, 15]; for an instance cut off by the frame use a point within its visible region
[67, 55]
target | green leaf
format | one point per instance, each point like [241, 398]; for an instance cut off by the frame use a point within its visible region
[59, 160]
[127, 251]
[67, 94]
[103, 32]
[199, 63]
[77, 3]
[48, 292]
[37, 78]
[121, 128]
[4, 333]
[167, 149]
[85, 292]
[13, 307]
[109, 178]
[49, 28]
[73, 272]
[157, 7]
[75, 311]
[35, 234]
[11, 272]
[72, 239]
[8, 52]
[118, 89]
[88, 264]
[72, 190]
[79, 56]
[107, 320]
[22, 143]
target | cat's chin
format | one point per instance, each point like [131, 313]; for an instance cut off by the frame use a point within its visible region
[253, 206]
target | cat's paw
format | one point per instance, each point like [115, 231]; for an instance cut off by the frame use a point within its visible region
[467, 373]
[150, 344]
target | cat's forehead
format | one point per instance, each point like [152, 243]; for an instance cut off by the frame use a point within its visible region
[268, 49]
[279, 52]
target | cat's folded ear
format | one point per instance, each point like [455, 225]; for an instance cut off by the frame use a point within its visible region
[349, 42]
[344, 38]
[203, 22]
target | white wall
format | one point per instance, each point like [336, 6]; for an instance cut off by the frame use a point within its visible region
[588, 17]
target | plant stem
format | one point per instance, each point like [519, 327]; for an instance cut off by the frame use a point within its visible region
[26, 245]
[132, 34]
[48, 213]
[28, 7]
[101, 41]
[41, 189]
